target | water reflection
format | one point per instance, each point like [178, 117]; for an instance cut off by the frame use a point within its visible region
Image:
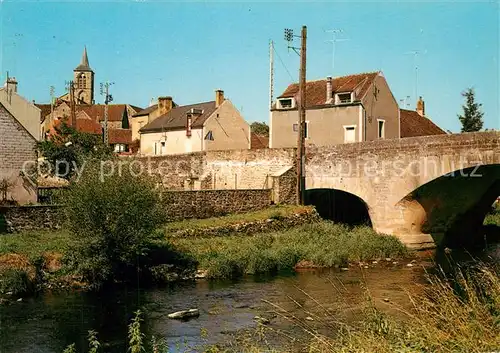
[51, 322]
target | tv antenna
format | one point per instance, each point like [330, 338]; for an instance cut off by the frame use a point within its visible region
[334, 41]
[415, 54]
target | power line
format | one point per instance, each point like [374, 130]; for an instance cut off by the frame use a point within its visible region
[284, 66]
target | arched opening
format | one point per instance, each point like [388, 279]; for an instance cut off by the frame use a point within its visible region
[82, 82]
[453, 207]
[339, 206]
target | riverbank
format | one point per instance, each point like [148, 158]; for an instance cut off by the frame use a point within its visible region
[319, 244]
[280, 238]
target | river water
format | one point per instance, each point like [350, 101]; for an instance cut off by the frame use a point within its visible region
[48, 323]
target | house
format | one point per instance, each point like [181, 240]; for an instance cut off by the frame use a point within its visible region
[214, 125]
[17, 158]
[25, 112]
[415, 123]
[345, 109]
[90, 117]
[145, 116]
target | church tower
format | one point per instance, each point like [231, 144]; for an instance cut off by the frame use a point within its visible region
[84, 81]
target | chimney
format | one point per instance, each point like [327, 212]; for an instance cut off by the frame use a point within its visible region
[164, 105]
[11, 84]
[421, 107]
[219, 97]
[329, 96]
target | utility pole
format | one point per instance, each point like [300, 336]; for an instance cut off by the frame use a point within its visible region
[271, 73]
[301, 178]
[107, 99]
[70, 86]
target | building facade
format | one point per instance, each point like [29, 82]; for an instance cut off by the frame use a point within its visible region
[17, 154]
[214, 125]
[25, 112]
[346, 109]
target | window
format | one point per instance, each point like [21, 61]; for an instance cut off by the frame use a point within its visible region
[381, 128]
[163, 144]
[306, 128]
[209, 136]
[344, 98]
[82, 83]
[285, 103]
[349, 133]
[121, 147]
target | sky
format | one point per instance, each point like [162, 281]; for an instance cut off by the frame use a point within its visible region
[187, 50]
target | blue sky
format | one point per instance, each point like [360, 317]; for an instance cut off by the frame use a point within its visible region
[187, 50]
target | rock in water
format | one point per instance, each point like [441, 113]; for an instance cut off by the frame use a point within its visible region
[184, 314]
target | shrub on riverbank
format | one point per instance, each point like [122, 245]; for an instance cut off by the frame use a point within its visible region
[322, 244]
[112, 220]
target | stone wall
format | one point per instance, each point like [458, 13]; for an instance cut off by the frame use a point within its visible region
[19, 218]
[213, 203]
[215, 170]
[16, 148]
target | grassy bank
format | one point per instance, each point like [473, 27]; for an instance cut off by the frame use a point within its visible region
[321, 244]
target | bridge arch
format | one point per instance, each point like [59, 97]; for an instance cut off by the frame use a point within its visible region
[451, 208]
[339, 206]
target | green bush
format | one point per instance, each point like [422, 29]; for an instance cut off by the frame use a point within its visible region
[113, 221]
[17, 282]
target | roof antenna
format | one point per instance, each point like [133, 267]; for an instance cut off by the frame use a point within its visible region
[334, 41]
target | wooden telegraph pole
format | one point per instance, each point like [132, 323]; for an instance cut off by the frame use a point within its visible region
[301, 148]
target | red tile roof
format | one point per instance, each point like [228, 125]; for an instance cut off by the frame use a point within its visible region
[413, 124]
[44, 110]
[96, 111]
[316, 90]
[258, 141]
[120, 136]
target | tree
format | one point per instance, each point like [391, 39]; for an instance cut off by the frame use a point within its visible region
[260, 128]
[112, 220]
[68, 149]
[472, 118]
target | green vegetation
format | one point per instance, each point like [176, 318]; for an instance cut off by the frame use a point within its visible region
[322, 244]
[32, 244]
[493, 218]
[472, 117]
[112, 222]
[272, 212]
[260, 128]
[461, 314]
[73, 147]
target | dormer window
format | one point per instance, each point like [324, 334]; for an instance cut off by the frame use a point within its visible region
[286, 103]
[342, 98]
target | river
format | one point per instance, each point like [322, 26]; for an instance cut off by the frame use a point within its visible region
[49, 322]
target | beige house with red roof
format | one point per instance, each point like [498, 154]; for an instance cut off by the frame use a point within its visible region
[214, 125]
[345, 109]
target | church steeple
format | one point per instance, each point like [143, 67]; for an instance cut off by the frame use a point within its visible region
[84, 65]
[84, 81]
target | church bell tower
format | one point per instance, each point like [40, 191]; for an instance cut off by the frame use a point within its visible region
[84, 81]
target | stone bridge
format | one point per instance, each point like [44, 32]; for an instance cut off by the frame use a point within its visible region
[415, 188]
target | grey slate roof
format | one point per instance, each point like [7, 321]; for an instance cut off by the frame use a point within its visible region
[84, 65]
[177, 117]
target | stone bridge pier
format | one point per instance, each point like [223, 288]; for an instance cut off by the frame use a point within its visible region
[421, 189]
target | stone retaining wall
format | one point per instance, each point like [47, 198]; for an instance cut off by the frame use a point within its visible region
[19, 218]
[248, 228]
[178, 205]
[213, 203]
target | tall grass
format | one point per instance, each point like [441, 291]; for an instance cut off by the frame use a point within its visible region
[321, 244]
[452, 315]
